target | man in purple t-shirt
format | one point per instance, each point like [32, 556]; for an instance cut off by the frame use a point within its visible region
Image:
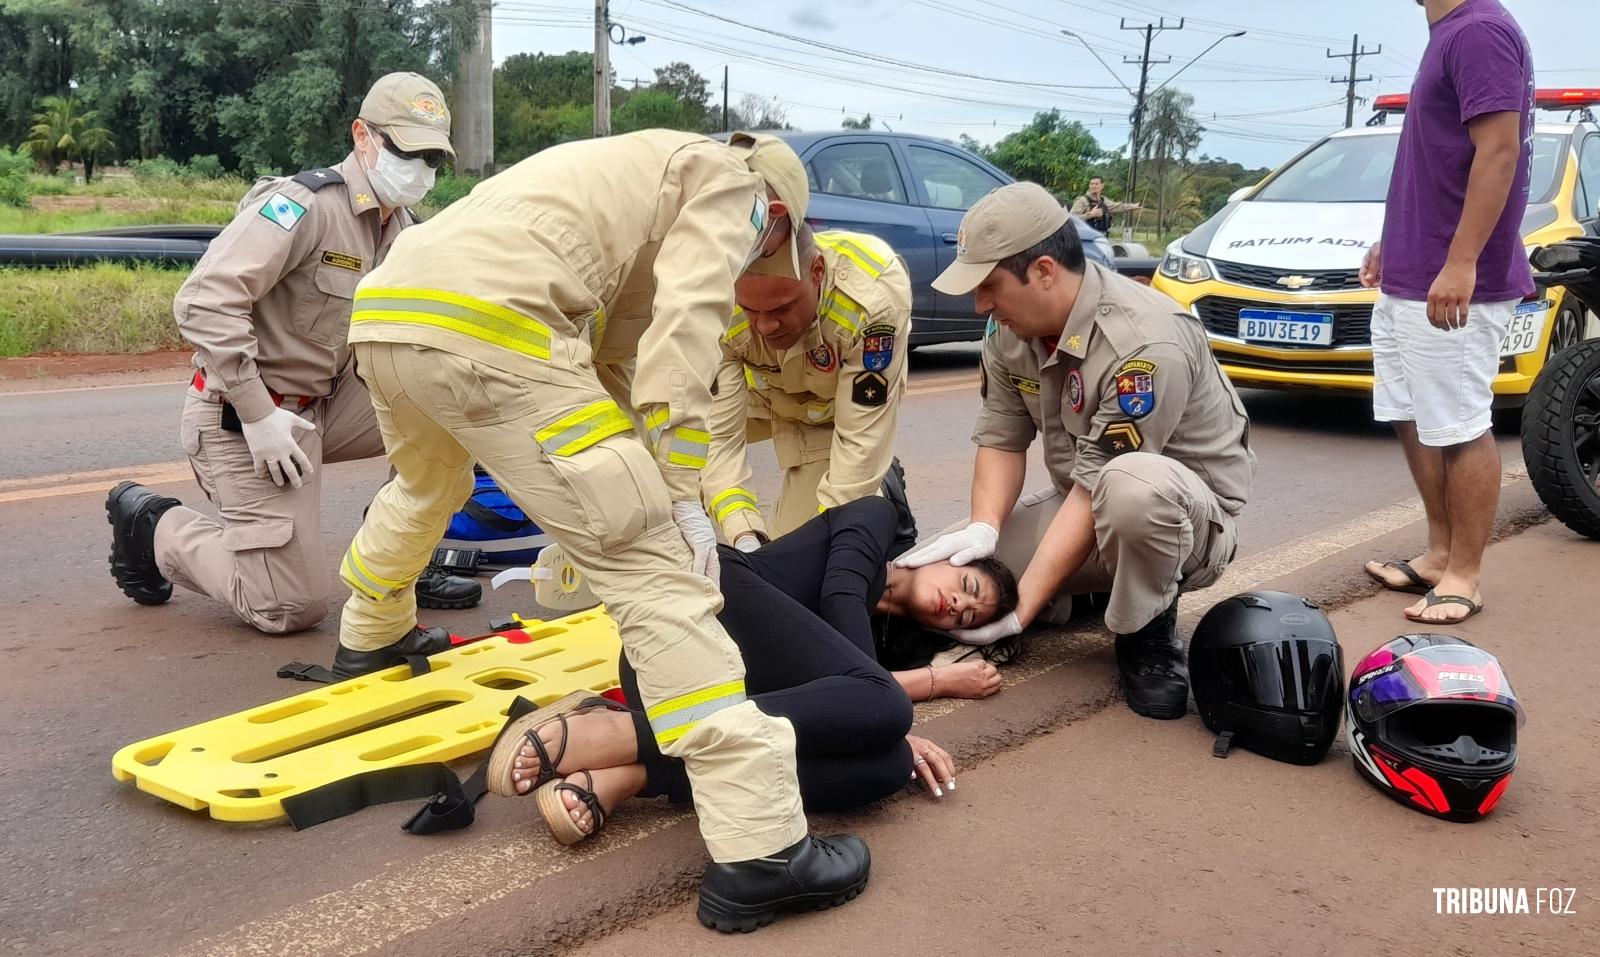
[1452, 269]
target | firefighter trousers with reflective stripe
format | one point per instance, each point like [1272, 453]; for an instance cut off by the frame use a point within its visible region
[265, 558]
[567, 454]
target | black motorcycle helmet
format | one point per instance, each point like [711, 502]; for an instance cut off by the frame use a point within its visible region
[1268, 675]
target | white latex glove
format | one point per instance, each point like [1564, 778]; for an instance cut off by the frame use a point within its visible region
[274, 450]
[695, 525]
[748, 542]
[976, 541]
[990, 633]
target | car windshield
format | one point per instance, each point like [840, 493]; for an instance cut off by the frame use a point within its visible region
[1356, 169]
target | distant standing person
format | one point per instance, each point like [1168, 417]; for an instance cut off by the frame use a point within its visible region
[1452, 269]
[1093, 207]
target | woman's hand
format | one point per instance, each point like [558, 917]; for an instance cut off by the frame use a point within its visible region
[933, 764]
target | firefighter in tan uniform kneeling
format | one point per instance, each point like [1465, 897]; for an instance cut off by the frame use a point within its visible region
[486, 336]
[274, 397]
[817, 362]
[1146, 442]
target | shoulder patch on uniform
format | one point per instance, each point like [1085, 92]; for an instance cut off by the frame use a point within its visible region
[877, 346]
[1030, 386]
[1136, 387]
[315, 179]
[342, 260]
[823, 358]
[1120, 437]
[1075, 390]
[283, 211]
[870, 389]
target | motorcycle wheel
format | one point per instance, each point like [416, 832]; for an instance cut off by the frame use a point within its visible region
[1561, 437]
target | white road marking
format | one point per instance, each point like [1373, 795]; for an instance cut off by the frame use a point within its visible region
[365, 916]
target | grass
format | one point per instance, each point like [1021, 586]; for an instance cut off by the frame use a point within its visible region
[95, 309]
[77, 220]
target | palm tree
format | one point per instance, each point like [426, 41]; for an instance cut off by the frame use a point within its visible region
[1169, 135]
[60, 132]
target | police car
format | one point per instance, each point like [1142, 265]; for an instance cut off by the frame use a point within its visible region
[1274, 276]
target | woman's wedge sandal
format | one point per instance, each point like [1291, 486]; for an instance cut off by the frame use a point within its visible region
[559, 819]
[524, 732]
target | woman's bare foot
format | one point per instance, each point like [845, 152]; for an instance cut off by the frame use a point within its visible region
[611, 785]
[596, 739]
[966, 679]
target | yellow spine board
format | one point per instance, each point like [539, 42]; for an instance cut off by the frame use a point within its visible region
[242, 766]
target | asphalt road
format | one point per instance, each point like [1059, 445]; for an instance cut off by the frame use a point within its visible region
[98, 867]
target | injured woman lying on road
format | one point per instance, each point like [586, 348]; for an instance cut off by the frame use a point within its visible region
[808, 612]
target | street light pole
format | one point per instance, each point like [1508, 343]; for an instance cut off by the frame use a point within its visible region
[1149, 30]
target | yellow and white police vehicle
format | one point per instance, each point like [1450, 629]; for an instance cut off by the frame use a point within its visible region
[1274, 275]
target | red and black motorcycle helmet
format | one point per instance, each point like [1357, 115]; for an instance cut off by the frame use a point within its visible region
[1433, 724]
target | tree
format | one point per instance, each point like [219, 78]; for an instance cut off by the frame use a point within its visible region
[547, 80]
[679, 80]
[62, 130]
[865, 123]
[1170, 133]
[759, 113]
[1049, 151]
[652, 109]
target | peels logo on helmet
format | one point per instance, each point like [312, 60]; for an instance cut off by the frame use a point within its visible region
[1463, 676]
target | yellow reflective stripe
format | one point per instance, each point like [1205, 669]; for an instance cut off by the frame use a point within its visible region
[870, 262]
[739, 325]
[576, 431]
[597, 328]
[675, 717]
[356, 574]
[689, 448]
[750, 378]
[843, 310]
[457, 313]
[732, 501]
[655, 422]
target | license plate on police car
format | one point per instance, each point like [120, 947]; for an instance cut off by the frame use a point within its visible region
[1522, 332]
[1296, 328]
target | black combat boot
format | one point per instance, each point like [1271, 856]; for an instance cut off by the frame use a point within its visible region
[815, 874]
[418, 641]
[1155, 679]
[133, 512]
[439, 589]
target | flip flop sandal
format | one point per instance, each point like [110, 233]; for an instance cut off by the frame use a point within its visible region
[1431, 599]
[1418, 586]
[556, 816]
[525, 731]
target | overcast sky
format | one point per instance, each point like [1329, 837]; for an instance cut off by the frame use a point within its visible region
[1261, 96]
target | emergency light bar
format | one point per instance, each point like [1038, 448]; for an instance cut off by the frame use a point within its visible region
[1553, 98]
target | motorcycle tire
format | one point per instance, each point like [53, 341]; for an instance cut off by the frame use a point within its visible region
[1561, 437]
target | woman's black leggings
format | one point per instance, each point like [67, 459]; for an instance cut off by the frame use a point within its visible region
[850, 716]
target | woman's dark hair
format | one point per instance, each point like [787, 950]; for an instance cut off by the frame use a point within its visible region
[1063, 246]
[903, 643]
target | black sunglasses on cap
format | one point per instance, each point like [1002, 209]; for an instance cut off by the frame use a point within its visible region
[433, 158]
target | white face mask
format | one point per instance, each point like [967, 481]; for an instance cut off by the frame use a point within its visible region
[399, 182]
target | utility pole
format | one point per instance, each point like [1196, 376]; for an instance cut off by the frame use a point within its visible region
[724, 98]
[602, 68]
[474, 95]
[1149, 30]
[1357, 51]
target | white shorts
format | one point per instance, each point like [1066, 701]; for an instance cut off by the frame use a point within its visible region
[1440, 379]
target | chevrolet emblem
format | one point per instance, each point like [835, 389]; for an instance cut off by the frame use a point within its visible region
[1295, 282]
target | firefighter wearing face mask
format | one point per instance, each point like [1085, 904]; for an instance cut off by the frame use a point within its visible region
[817, 362]
[274, 393]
